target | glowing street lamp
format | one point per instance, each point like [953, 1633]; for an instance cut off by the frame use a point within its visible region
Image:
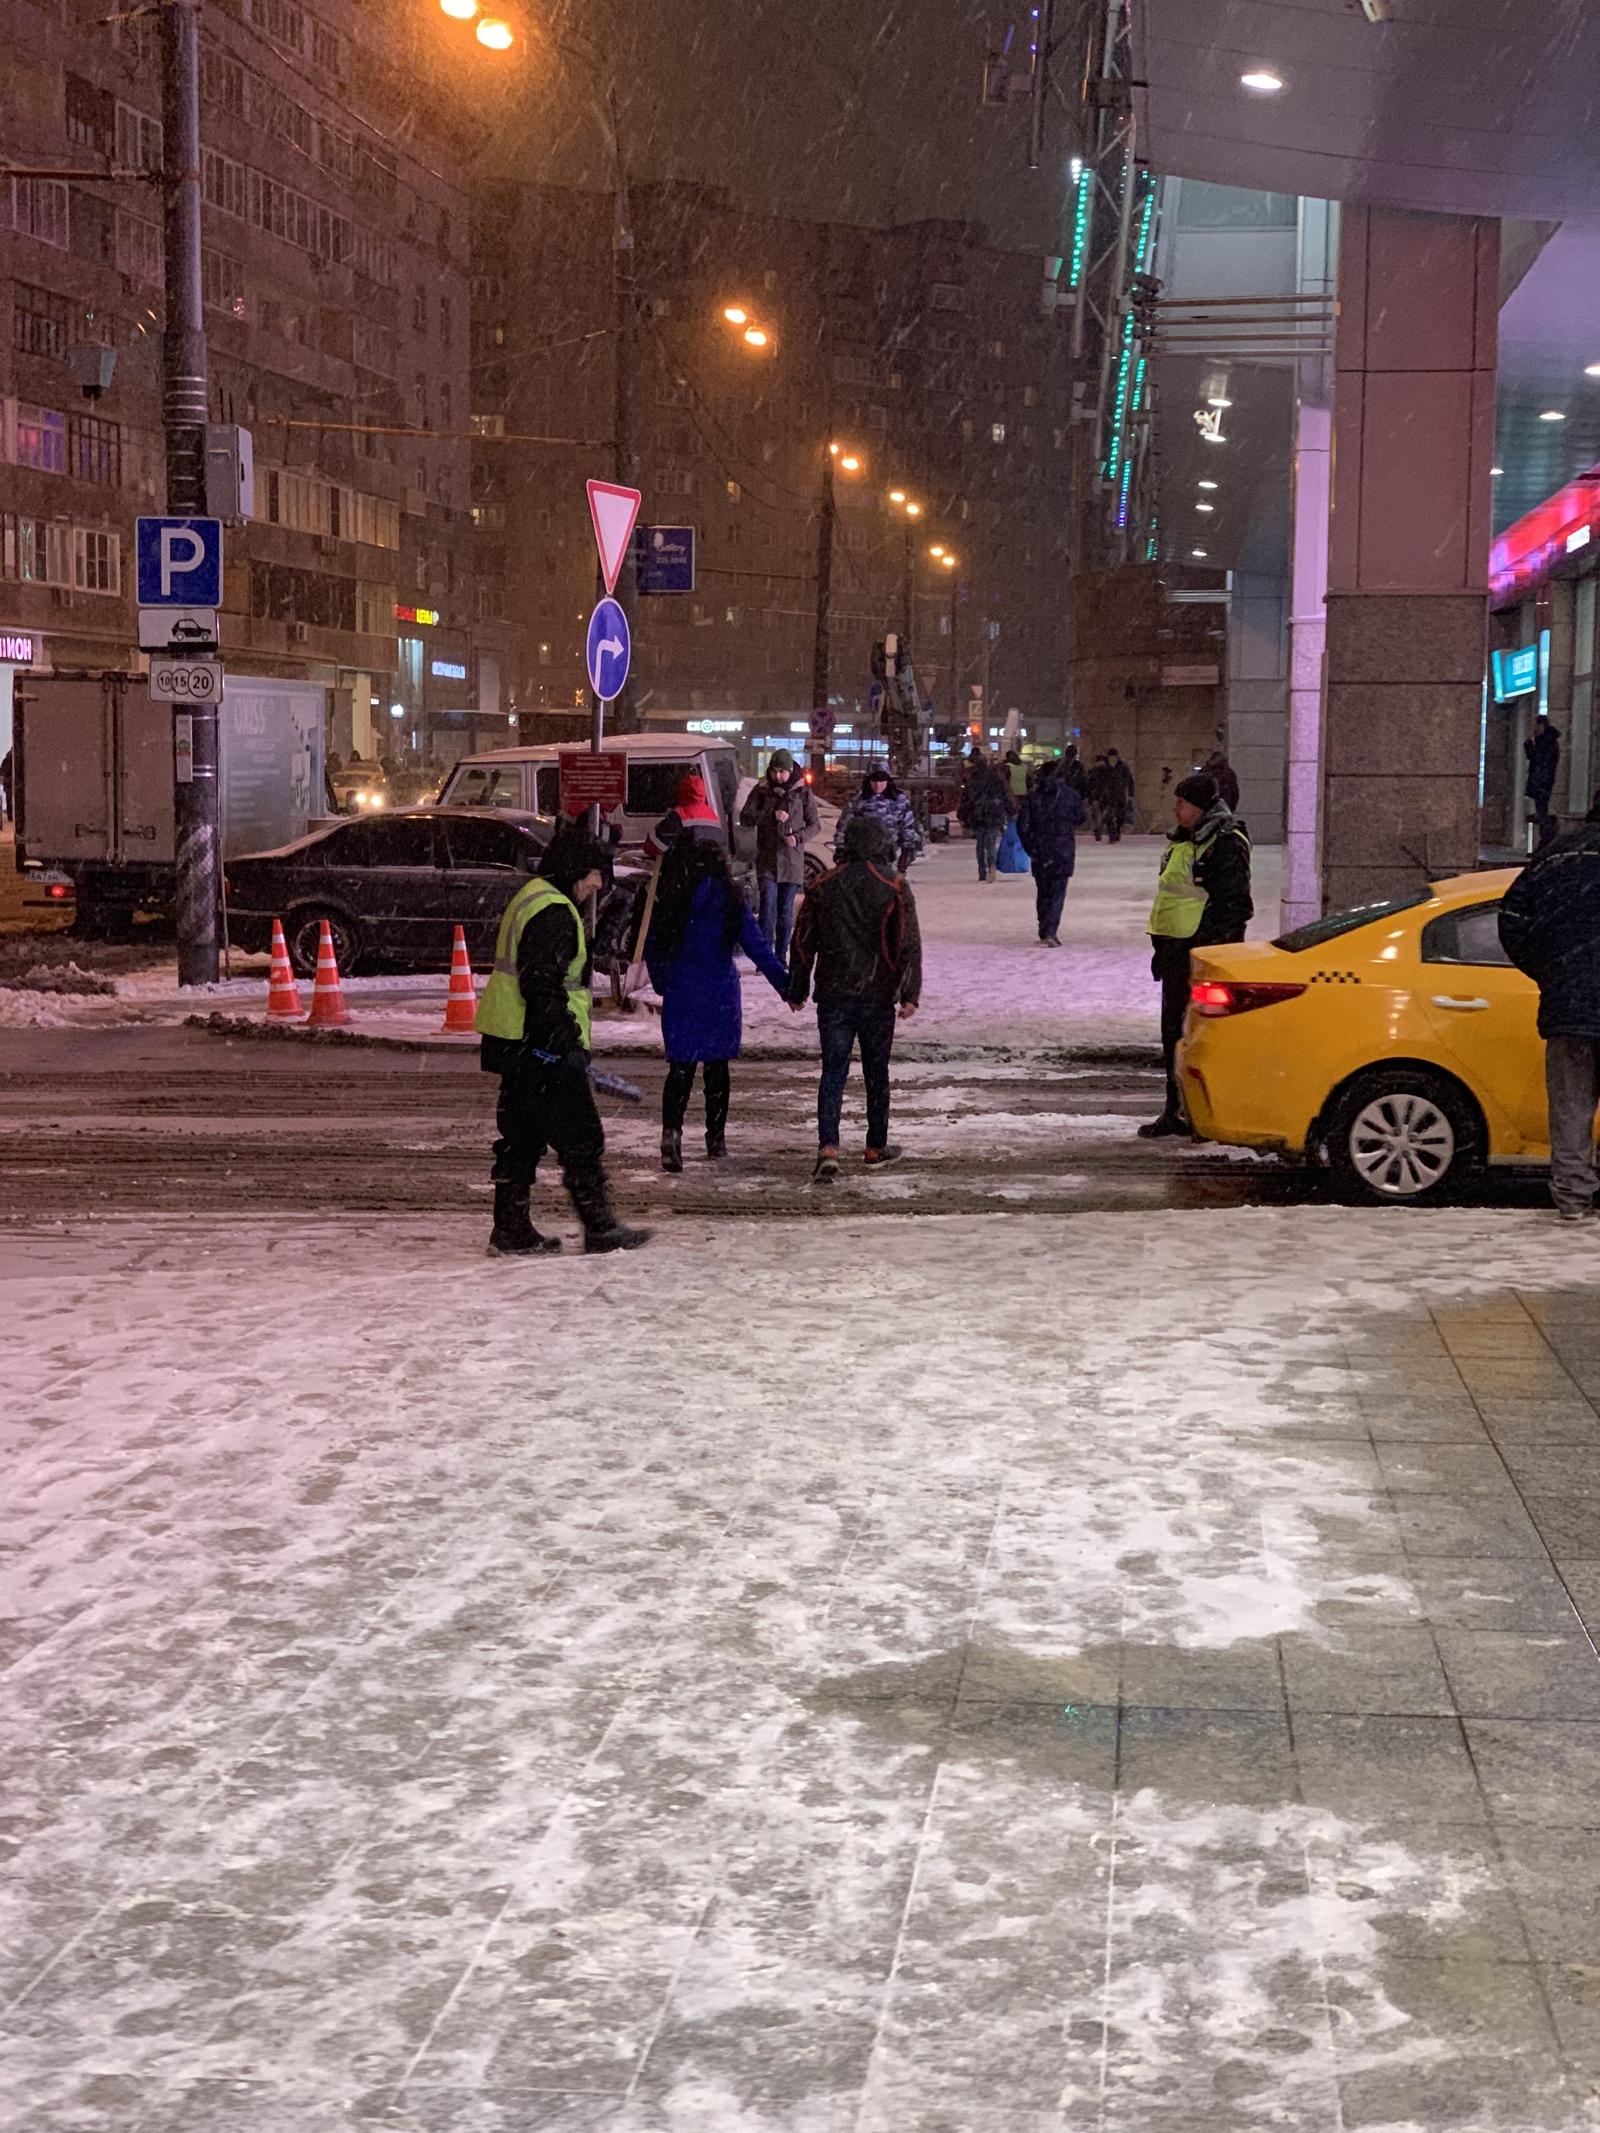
[755, 337]
[459, 10]
[735, 314]
[495, 34]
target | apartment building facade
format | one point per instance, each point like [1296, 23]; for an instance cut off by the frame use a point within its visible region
[934, 359]
[337, 293]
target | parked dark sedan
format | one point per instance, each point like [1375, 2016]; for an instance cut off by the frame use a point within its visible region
[394, 888]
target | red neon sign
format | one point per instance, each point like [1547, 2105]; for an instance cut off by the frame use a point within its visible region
[1545, 536]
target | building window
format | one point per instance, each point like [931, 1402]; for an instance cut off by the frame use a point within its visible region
[138, 139]
[138, 249]
[419, 310]
[222, 282]
[94, 451]
[41, 438]
[38, 321]
[35, 207]
[997, 433]
[327, 51]
[225, 184]
[96, 561]
[373, 346]
[444, 322]
[283, 22]
[221, 78]
[91, 116]
[735, 492]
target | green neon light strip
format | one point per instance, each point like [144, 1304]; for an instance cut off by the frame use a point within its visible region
[1080, 225]
[1120, 410]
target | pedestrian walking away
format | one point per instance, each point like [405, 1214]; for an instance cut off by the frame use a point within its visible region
[1073, 771]
[881, 800]
[858, 934]
[1543, 753]
[1097, 791]
[1119, 795]
[1550, 928]
[782, 810]
[985, 807]
[691, 811]
[537, 1003]
[700, 920]
[1048, 822]
[1202, 899]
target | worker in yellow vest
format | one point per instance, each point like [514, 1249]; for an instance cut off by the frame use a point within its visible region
[1203, 897]
[534, 1023]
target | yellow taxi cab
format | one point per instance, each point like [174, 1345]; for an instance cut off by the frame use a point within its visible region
[1397, 1038]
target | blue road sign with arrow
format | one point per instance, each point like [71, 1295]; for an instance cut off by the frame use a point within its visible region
[608, 650]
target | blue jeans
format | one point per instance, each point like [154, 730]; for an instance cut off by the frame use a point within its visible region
[987, 836]
[777, 913]
[840, 1023]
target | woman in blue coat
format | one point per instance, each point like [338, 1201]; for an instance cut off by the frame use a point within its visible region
[700, 919]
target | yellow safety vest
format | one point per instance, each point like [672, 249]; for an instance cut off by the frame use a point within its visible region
[1180, 901]
[502, 1012]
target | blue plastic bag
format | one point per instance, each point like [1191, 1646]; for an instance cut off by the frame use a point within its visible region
[1011, 859]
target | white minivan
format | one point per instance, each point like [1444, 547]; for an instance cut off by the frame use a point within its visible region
[527, 781]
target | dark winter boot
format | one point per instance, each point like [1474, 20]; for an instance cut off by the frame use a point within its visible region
[513, 1230]
[602, 1232]
[672, 1149]
[718, 1095]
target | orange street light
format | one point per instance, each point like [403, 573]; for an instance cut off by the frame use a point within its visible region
[936, 549]
[460, 10]
[948, 561]
[495, 34]
[913, 510]
[897, 496]
[735, 314]
[850, 463]
[755, 336]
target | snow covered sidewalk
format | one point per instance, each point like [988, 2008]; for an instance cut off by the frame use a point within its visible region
[994, 1676]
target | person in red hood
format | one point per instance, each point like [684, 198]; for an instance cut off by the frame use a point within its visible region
[691, 811]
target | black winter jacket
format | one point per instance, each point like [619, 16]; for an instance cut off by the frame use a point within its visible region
[1047, 823]
[986, 801]
[1222, 869]
[1550, 928]
[858, 926]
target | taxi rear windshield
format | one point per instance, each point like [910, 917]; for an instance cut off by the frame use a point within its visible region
[1337, 922]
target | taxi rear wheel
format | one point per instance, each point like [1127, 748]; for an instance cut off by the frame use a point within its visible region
[1399, 1136]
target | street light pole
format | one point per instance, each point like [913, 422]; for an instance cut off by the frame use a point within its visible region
[820, 656]
[184, 410]
[955, 670]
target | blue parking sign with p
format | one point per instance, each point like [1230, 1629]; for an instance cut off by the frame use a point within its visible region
[180, 562]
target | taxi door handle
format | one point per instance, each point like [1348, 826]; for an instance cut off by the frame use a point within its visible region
[1450, 999]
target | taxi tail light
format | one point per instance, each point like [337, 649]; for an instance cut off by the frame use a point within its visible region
[1210, 997]
[58, 889]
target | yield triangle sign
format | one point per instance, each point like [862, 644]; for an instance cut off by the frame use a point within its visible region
[613, 510]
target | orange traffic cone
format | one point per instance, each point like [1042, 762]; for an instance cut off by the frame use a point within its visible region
[327, 995]
[461, 1003]
[283, 994]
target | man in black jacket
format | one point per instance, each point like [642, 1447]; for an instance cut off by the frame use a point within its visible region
[858, 926]
[1550, 928]
[1543, 753]
[537, 1002]
[1047, 826]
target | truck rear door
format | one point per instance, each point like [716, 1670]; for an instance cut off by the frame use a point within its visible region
[144, 832]
[65, 793]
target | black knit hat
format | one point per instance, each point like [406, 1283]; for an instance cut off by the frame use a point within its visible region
[1199, 790]
[571, 853]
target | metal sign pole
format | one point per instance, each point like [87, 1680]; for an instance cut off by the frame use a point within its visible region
[184, 410]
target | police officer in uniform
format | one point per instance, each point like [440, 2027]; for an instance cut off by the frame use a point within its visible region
[537, 1001]
[1202, 899]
